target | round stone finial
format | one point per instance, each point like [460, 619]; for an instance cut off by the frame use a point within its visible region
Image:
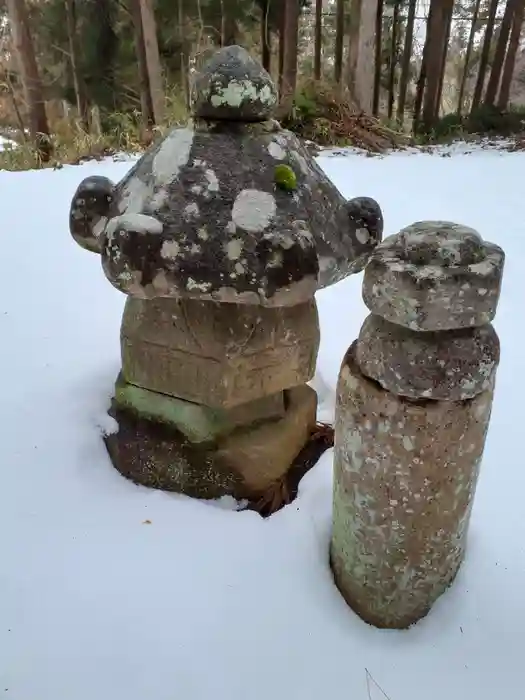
[233, 86]
[434, 276]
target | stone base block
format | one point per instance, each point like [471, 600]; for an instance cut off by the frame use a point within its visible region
[405, 474]
[243, 464]
[199, 424]
[219, 355]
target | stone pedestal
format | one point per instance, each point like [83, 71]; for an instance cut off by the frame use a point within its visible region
[243, 462]
[405, 476]
[413, 406]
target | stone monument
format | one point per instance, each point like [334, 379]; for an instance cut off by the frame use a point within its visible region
[414, 398]
[220, 235]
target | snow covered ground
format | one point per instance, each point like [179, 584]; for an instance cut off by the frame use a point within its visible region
[116, 592]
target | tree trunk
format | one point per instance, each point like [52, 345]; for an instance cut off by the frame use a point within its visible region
[184, 67]
[436, 37]
[148, 115]
[339, 40]
[290, 49]
[228, 22]
[266, 37]
[512, 51]
[449, 12]
[485, 53]
[405, 64]
[31, 83]
[377, 58]
[393, 59]
[499, 54]
[468, 54]
[282, 41]
[151, 49]
[78, 82]
[318, 48]
[361, 52]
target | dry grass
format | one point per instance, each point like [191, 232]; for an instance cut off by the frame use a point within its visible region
[323, 114]
[71, 144]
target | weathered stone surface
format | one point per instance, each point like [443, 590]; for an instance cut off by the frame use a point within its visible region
[242, 465]
[201, 216]
[220, 355]
[447, 365]
[233, 86]
[89, 210]
[229, 210]
[198, 423]
[404, 482]
[434, 275]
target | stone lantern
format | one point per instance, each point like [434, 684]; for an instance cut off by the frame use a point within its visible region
[220, 236]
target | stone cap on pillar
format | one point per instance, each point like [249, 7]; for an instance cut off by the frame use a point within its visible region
[434, 276]
[230, 208]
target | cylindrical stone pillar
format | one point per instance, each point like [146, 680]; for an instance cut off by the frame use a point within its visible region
[413, 407]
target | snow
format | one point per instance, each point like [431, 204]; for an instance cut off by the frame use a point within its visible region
[109, 590]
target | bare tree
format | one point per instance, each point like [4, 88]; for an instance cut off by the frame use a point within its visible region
[266, 36]
[78, 82]
[405, 64]
[468, 54]
[436, 44]
[361, 51]
[512, 51]
[318, 46]
[151, 50]
[229, 28]
[485, 54]
[377, 57]
[291, 40]
[148, 115]
[31, 83]
[339, 40]
[499, 54]
[393, 60]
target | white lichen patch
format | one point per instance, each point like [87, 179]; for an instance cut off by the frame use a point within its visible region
[98, 228]
[159, 199]
[301, 162]
[134, 195]
[254, 210]
[234, 248]
[173, 154]
[192, 285]
[190, 211]
[202, 233]
[170, 250]
[276, 151]
[213, 181]
[236, 92]
[362, 235]
[136, 223]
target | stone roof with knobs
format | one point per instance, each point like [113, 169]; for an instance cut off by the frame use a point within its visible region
[231, 207]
